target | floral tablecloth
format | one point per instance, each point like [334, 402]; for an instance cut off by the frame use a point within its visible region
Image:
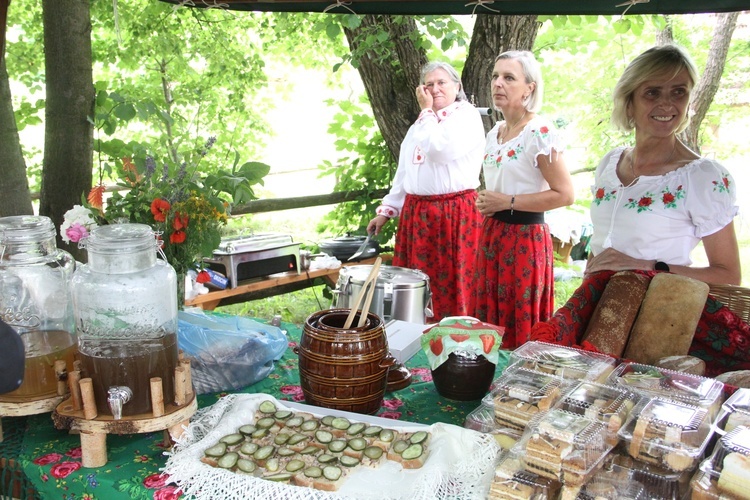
[51, 459]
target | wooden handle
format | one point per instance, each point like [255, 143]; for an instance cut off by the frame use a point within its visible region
[370, 293]
[361, 294]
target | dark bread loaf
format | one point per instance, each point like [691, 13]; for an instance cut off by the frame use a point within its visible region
[666, 323]
[613, 318]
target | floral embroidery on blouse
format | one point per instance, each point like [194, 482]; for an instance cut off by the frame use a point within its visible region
[642, 204]
[602, 195]
[669, 199]
[723, 185]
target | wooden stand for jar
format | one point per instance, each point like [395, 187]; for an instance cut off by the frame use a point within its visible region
[79, 414]
[34, 406]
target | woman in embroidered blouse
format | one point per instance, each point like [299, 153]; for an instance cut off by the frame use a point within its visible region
[653, 203]
[525, 175]
[434, 192]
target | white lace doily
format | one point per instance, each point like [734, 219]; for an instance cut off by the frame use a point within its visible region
[461, 463]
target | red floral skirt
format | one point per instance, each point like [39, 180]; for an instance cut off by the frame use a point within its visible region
[722, 339]
[438, 235]
[515, 277]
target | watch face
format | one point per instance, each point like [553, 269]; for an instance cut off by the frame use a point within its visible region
[661, 266]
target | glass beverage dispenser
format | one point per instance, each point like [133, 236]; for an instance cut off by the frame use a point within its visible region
[125, 302]
[35, 300]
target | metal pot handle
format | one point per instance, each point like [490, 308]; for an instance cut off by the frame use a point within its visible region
[428, 300]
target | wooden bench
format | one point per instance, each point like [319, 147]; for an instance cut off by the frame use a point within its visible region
[274, 284]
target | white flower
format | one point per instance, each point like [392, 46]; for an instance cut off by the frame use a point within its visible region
[76, 216]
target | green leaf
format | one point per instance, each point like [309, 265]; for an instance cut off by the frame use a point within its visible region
[125, 111]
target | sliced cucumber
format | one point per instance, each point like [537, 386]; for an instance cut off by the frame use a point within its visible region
[372, 431]
[357, 444]
[281, 438]
[387, 435]
[341, 423]
[413, 451]
[249, 448]
[228, 461]
[327, 420]
[272, 464]
[285, 452]
[247, 429]
[294, 465]
[216, 450]
[337, 446]
[309, 450]
[281, 477]
[265, 423]
[332, 473]
[373, 452]
[232, 439]
[348, 461]
[324, 437]
[356, 428]
[264, 452]
[309, 425]
[313, 471]
[283, 415]
[297, 438]
[418, 437]
[399, 446]
[247, 466]
[268, 407]
[294, 422]
[325, 458]
[260, 433]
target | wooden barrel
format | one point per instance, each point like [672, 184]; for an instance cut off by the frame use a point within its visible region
[343, 369]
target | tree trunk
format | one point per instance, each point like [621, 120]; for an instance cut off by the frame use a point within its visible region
[390, 83]
[492, 35]
[14, 184]
[705, 90]
[68, 140]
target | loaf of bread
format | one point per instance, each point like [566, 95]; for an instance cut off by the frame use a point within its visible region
[666, 323]
[615, 313]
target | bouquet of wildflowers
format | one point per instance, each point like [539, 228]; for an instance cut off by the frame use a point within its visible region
[185, 207]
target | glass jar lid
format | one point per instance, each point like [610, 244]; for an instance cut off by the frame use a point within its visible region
[120, 239]
[19, 229]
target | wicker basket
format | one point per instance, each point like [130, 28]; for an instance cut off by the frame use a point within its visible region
[736, 298]
[562, 249]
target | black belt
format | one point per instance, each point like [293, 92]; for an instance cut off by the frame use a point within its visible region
[519, 217]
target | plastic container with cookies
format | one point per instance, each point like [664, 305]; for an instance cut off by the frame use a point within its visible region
[631, 478]
[607, 404]
[565, 446]
[520, 394]
[726, 473]
[482, 419]
[654, 381]
[735, 411]
[668, 433]
[565, 362]
[512, 481]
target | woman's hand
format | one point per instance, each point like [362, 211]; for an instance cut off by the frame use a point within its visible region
[424, 98]
[614, 260]
[489, 202]
[375, 224]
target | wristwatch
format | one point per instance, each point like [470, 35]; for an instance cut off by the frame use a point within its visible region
[661, 266]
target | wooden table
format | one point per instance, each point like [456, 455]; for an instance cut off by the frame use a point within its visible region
[274, 284]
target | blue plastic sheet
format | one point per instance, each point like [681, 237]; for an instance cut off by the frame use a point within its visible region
[228, 352]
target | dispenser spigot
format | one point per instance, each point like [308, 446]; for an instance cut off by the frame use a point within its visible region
[118, 396]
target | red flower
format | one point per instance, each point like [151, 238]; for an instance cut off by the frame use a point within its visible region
[168, 493]
[74, 452]
[155, 481]
[725, 180]
[180, 221]
[64, 469]
[599, 193]
[544, 130]
[645, 202]
[511, 153]
[177, 237]
[203, 277]
[159, 208]
[96, 196]
[667, 198]
[49, 458]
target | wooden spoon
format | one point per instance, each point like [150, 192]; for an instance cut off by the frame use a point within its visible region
[374, 281]
[360, 296]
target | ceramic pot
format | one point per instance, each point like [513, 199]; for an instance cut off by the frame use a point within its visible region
[462, 378]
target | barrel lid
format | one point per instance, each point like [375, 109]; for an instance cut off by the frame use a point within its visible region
[399, 277]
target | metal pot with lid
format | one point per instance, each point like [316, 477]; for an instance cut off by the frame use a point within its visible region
[343, 247]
